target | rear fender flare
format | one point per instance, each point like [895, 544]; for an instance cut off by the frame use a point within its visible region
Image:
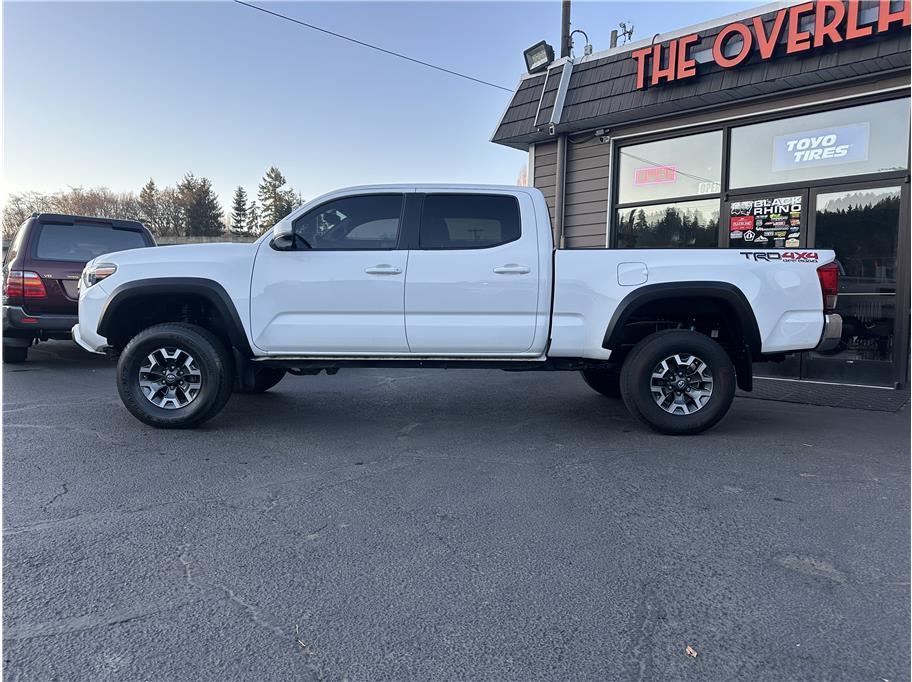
[720, 291]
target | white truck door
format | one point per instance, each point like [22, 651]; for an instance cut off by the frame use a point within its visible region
[473, 277]
[341, 290]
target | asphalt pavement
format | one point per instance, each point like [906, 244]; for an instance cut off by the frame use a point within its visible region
[435, 525]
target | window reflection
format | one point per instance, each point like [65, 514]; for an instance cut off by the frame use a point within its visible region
[680, 167]
[861, 227]
[873, 138]
[692, 224]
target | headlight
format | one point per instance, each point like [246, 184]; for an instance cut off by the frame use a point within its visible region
[95, 272]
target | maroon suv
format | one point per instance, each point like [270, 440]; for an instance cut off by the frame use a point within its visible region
[41, 272]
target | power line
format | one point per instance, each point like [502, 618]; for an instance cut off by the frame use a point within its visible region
[373, 47]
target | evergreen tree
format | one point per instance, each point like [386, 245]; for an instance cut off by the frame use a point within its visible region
[201, 210]
[276, 200]
[239, 211]
[253, 219]
[150, 207]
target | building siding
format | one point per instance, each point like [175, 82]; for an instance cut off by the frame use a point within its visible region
[545, 174]
[586, 193]
[585, 189]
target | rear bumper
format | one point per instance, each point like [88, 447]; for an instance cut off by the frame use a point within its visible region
[19, 324]
[832, 333]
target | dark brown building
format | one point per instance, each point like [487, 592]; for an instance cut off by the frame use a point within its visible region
[784, 127]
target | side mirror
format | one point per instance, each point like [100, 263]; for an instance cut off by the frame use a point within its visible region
[283, 237]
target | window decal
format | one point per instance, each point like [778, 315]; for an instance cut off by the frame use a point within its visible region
[766, 222]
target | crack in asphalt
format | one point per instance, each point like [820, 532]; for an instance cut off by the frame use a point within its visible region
[253, 612]
[63, 491]
[641, 650]
[75, 624]
[219, 499]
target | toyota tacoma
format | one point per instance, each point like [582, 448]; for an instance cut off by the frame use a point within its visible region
[448, 276]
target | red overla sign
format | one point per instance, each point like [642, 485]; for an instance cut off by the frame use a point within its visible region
[834, 21]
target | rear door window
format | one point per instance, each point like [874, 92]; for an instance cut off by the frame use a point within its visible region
[83, 242]
[468, 221]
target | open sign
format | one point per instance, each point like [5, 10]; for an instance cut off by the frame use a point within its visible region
[654, 175]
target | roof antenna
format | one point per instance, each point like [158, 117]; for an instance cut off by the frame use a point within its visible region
[626, 31]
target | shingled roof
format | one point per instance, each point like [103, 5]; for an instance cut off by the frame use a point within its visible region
[602, 88]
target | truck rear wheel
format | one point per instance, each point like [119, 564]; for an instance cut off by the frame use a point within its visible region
[604, 381]
[678, 382]
[174, 376]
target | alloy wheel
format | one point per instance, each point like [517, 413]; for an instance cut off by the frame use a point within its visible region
[170, 378]
[681, 384]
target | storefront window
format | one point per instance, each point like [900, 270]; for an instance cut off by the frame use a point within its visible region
[667, 169]
[873, 138]
[689, 224]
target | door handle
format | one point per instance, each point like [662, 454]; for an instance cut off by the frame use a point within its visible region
[383, 270]
[512, 269]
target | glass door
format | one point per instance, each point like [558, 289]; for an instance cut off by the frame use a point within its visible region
[861, 224]
[768, 220]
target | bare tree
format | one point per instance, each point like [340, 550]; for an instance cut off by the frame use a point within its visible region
[20, 206]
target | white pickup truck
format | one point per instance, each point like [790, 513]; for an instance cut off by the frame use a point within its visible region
[448, 276]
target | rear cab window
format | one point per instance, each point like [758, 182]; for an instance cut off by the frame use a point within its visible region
[468, 221]
[82, 242]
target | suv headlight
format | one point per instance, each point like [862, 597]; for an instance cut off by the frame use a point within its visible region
[95, 272]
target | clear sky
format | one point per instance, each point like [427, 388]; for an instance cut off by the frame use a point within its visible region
[112, 93]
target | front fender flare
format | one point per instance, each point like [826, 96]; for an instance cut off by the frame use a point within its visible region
[210, 290]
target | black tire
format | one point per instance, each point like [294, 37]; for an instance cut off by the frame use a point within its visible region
[14, 355]
[604, 381]
[637, 382]
[212, 360]
[264, 378]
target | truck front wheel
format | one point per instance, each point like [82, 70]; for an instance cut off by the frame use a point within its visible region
[678, 382]
[174, 376]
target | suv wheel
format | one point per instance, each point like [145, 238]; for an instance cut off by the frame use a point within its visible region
[678, 382]
[13, 355]
[174, 375]
[264, 378]
[604, 381]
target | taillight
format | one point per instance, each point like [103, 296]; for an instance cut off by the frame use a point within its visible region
[829, 285]
[23, 284]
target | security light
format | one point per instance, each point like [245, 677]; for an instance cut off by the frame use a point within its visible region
[538, 56]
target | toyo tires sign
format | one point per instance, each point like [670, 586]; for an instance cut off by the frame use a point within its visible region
[824, 147]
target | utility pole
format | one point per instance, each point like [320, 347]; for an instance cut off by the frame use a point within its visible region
[565, 29]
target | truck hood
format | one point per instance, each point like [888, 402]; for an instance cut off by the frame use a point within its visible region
[179, 253]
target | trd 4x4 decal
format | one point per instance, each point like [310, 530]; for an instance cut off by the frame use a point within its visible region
[788, 256]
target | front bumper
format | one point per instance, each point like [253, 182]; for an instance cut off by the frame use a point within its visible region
[832, 333]
[19, 324]
[91, 303]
